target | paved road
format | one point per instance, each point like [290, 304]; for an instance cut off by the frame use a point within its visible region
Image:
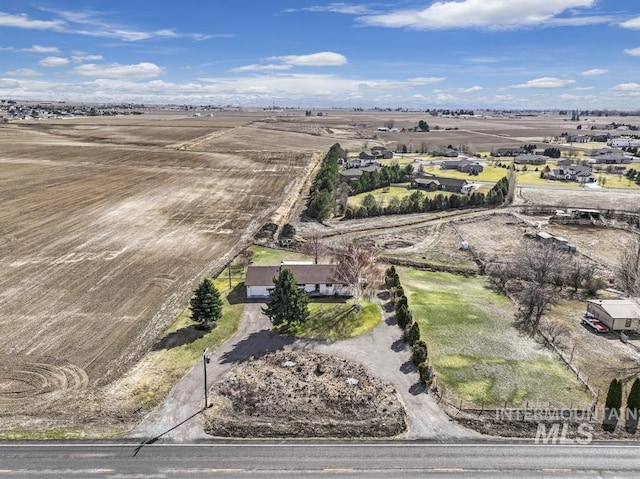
[382, 350]
[320, 459]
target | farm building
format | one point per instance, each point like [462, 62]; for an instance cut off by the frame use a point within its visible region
[314, 279]
[617, 314]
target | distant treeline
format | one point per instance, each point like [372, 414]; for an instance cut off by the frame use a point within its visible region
[371, 180]
[418, 202]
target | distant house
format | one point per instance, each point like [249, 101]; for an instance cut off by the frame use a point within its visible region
[381, 152]
[444, 151]
[510, 151]
[464, 165]
[349, 174]
[441, 183]
[624, 142]
[617, 314]
[581, 174]
[580, 139]
[609, 157]
[314, 279]
[530, 159]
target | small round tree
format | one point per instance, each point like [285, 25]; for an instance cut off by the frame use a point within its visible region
[419, 352]
[206, 305]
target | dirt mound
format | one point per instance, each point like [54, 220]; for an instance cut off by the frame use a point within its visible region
[302, 394]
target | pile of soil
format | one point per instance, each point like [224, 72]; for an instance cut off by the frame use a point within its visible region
[303, 394]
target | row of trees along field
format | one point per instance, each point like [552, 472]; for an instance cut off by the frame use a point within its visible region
[418, 202]
[411, 330]
[371, 180]
[323, 190]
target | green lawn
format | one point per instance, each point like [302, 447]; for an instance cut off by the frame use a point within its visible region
[383, 197]
[477, 353]
[335, 320]
[272, 257]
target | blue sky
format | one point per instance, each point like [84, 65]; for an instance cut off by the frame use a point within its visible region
[405, 53]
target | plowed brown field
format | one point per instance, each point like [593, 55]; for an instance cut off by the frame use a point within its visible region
[101, 243]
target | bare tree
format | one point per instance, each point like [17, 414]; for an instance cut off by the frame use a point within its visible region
[389, 124]
[554, 330]
[357, 267]
[628, 268]
[313, 245]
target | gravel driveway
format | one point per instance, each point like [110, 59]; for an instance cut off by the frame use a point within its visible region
[382, 350]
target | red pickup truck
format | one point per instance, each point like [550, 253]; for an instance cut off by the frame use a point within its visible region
[595, 324]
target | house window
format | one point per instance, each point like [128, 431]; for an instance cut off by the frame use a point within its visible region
[627, 323]
[329, 285]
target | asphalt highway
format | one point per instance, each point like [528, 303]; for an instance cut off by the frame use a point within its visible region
[318, 459]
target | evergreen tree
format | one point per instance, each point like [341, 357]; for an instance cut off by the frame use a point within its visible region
[633, 407]
[287, 305]
[612, 405]
[206, 305]
[419, 352]
[412, 333]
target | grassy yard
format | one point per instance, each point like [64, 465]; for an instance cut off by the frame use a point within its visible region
[382, 196]
[272, 257]
[335, 320]
[477, 352]
[182, 343]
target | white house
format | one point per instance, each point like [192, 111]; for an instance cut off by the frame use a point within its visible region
[314, 279]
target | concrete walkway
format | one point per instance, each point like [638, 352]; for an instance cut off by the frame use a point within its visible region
[382, 350]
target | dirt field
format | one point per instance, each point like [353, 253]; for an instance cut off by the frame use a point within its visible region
[102, 238]
[303, 394]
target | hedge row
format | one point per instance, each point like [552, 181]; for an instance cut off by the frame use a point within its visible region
[411, 329]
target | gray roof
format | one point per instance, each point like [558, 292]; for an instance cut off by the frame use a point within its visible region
[303, 273]
[618, 308]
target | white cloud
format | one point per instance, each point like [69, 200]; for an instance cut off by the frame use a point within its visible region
[633, 23]
[627, 87]
[314, 59]
[545, 82]
[470, 89]
[24, 72]
[594, 72]
[335, 8]
[23, 21]
[41, 49]
[260, 68]
[80, 57]
[116, 70]
[425, 80]
[487, 14]
[634, 52]
[54, 61]
[93, 24]
[445, 97]
[584, 88]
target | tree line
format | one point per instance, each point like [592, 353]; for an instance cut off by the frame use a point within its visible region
[418, 202]
[323, 190]
[371, 180]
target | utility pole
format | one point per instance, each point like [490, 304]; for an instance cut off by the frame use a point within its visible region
[205, 361]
